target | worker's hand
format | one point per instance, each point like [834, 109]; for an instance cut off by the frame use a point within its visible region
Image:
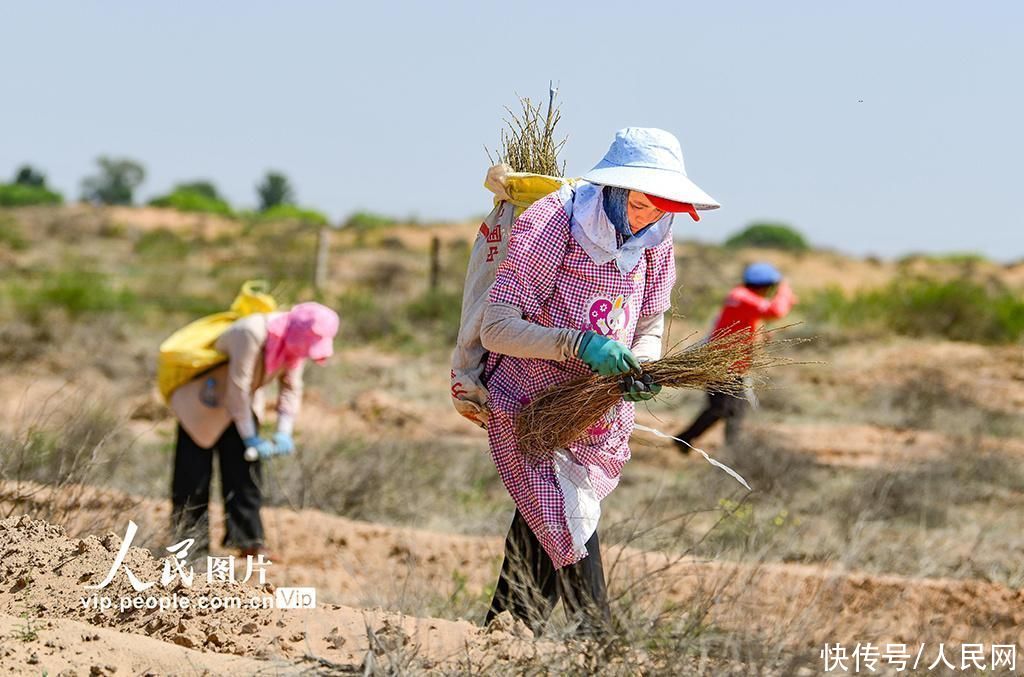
[284, 443]
[606, 356]
[639, 389]
[264, 448]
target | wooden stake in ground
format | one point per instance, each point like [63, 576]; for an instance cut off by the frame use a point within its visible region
[435, 262]
[323, 250]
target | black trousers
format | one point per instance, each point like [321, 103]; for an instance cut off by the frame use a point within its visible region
[190, 491]
[718, 407]
[530, 586]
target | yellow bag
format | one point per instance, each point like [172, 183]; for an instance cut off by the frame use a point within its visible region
[189, 351]
[513, 192]
[521, 189]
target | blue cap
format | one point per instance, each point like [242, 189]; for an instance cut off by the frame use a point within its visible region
[761, 275]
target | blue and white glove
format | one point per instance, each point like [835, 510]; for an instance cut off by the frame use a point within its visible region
[264, 448]
[284, 443]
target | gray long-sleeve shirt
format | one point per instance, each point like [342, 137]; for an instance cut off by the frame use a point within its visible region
[505, 331]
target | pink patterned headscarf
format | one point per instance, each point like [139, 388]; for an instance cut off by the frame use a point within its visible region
[305, 332]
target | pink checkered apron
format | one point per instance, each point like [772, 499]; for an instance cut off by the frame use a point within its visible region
[556, 284]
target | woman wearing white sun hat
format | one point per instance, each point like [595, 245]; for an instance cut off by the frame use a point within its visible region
[584, 287]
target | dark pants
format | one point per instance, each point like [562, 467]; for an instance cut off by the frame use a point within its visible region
[190, 491]
[530, 586]
[718, 407]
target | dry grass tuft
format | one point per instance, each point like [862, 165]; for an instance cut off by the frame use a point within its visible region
[564, 412]
[528, 144]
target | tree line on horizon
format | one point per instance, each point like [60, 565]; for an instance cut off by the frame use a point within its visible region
[116, 180]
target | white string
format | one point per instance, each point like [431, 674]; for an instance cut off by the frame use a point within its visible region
[732, 473]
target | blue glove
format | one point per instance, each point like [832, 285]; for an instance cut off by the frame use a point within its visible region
[606, 356]
[265, 448]
[639, 389]
[284, 443]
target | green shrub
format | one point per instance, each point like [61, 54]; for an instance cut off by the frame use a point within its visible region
[769, 236]
[11, 235]
[19, 195]
[27, 175]
[78, 292]
[275, 190]
[957, 258]
[363, 221]
[437, 311]
[960, 258]
[162, 244]
[958, 309]
[202, 187]
[190, 200]
[289, 212]
[436, 305]
[115, 182]
[365, 319]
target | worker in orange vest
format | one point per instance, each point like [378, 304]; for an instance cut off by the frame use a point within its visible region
[745, 309]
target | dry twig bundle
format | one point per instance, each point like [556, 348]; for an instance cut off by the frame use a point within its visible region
[528, 144]
[564, 412]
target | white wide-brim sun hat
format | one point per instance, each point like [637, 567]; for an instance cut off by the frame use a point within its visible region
[649, 160]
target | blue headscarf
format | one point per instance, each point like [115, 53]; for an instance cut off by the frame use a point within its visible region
[592, 227]
[616, 205]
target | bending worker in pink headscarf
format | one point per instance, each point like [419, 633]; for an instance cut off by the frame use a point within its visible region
[215, 411]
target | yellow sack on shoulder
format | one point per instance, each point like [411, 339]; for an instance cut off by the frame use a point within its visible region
[513, 193]
[520, 189]
[189, 352]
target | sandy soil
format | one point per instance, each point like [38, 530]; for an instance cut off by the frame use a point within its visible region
[66, 647]
[364, 573]
[43, 571]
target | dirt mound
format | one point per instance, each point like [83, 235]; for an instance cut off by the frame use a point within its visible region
[868, 445]
[65, 647]
[44, 573]
[361, 564]
[990, 375]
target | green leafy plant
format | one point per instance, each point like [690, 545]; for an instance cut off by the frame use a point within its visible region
[959, 309]
[194, 198]
[275, 190]
[11, 235]
[26, 631]
[78, 292]
[19, 195]
[162, 244]
[290, 212]
[202, 186]
[769, 236]
[437, 310]
[364, 221]
[27, 175]
[115, 183]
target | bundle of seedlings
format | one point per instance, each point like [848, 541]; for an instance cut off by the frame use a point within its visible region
[528, 143]
[564, 412]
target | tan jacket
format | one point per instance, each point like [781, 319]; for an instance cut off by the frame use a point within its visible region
[207, 405]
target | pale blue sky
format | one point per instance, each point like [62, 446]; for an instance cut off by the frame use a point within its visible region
[387, 106]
